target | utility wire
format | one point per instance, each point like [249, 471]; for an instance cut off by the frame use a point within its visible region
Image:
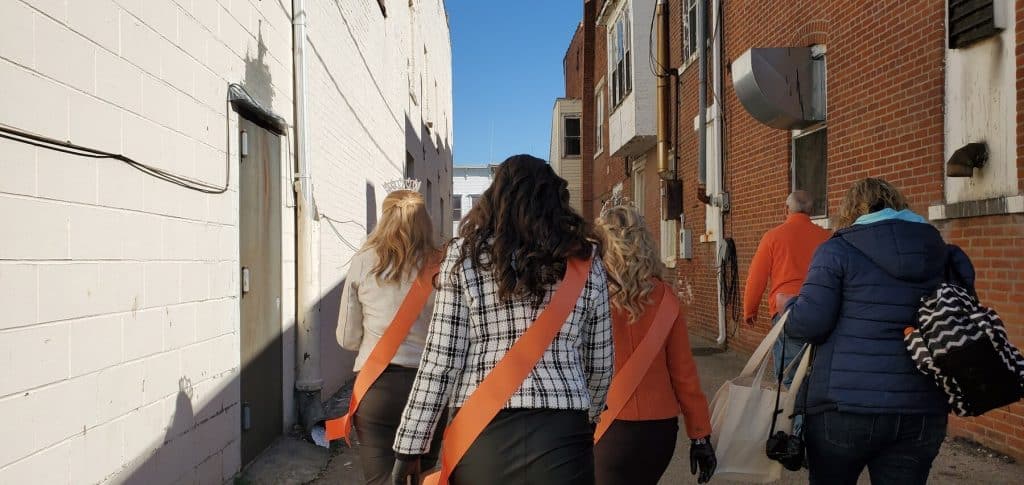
[653, 64]
[22, 136]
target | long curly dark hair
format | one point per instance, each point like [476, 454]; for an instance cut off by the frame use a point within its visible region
[524, 230]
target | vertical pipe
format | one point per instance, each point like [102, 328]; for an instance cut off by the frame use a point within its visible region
[719, 197]
[702, 96]
[308, 380]
[661, 17]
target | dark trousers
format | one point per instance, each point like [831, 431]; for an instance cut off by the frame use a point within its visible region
[376, 423]
[635, 452]
[895, 448]
[530, 446]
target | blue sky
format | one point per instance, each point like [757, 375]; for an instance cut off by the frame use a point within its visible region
[507, 60]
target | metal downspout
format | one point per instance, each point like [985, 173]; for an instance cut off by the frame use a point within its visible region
[702, 102]
[661, 17]
[718, 200]
[308, 381]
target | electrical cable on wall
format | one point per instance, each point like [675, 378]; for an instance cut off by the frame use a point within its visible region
[730, 290]
[21, 136]
[652, 60]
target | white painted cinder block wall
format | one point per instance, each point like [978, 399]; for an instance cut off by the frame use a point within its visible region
[119, 347]
[366, 117]
[119, 339]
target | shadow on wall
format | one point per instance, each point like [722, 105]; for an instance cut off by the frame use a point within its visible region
[197, 447]
[204, 440]
[257, 81]
[371, 207]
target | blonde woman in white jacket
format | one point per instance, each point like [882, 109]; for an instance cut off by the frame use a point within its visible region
[380, 276]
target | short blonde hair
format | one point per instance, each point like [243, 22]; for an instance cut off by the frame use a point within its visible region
[867, 196]
[630, 258]
[404, 237]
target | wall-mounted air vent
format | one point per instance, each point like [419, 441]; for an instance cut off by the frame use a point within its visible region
[782, 87]
[973, 20]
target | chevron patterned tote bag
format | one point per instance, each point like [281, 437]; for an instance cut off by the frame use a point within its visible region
[964, 347]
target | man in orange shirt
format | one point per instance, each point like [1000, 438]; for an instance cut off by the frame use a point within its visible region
[783, 256]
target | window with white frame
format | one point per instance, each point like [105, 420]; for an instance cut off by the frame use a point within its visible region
[810, 166]
[599, 116]
[638, 183]
[620, 57]
[571, 136]
[689, 29]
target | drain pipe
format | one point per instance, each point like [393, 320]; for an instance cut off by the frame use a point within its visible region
[702, 104]
[714, 203]
[719, 199]
[308, 382]
[661, 17]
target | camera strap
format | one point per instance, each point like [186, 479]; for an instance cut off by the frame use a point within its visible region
[801, 370]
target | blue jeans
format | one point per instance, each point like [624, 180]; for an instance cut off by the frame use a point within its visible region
[792, 347]
[895, 448]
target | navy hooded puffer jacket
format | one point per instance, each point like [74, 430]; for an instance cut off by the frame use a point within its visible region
[863, 289]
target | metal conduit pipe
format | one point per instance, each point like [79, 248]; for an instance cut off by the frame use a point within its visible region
[308, 381]
[702, 103]
[718, 200]
[661, 17]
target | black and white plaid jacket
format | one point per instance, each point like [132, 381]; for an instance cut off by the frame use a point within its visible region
[471, 330]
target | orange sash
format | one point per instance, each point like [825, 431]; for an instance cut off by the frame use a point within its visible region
[625, 382]
[386, 348]
[506, 377]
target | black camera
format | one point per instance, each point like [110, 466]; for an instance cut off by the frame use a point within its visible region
[787, 449]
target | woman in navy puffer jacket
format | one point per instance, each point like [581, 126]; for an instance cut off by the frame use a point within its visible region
[866, 403]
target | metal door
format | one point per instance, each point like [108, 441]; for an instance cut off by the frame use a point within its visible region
[259, 234]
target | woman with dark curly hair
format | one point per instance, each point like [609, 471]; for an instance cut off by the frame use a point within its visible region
[512, 252]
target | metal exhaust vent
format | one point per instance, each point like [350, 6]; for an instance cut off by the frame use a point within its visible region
[782, 87]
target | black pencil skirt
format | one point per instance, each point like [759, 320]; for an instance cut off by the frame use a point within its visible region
[530, 446]
[377, 420]
[635, 452]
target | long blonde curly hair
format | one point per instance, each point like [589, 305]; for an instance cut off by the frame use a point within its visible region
[404, 237]
[630, 258]
[867, 196]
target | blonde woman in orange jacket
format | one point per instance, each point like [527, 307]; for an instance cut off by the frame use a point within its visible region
[638, 446]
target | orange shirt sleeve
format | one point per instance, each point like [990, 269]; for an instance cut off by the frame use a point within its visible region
[686, 382]
[757, 277]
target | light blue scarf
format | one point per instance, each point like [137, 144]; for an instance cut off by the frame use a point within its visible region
[888, 215]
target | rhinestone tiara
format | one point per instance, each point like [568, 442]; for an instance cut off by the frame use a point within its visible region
[616, 200]
[402, 184]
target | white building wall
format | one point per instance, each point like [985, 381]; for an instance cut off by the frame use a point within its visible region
[632, 125]
[981, 105]
[119, 339]
[468, 182]
[365, 116]
[569, 168]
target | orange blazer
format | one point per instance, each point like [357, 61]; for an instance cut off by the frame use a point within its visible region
[671, 385]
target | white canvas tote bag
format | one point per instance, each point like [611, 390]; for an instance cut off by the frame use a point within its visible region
[741, 416]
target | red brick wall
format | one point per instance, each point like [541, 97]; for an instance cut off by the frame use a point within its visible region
[573, 66]
[885, 119]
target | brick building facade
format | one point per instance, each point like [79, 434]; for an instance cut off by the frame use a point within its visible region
[900, 102]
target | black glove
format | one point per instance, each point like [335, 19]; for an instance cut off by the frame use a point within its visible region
[406, 470]
[702, 456]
